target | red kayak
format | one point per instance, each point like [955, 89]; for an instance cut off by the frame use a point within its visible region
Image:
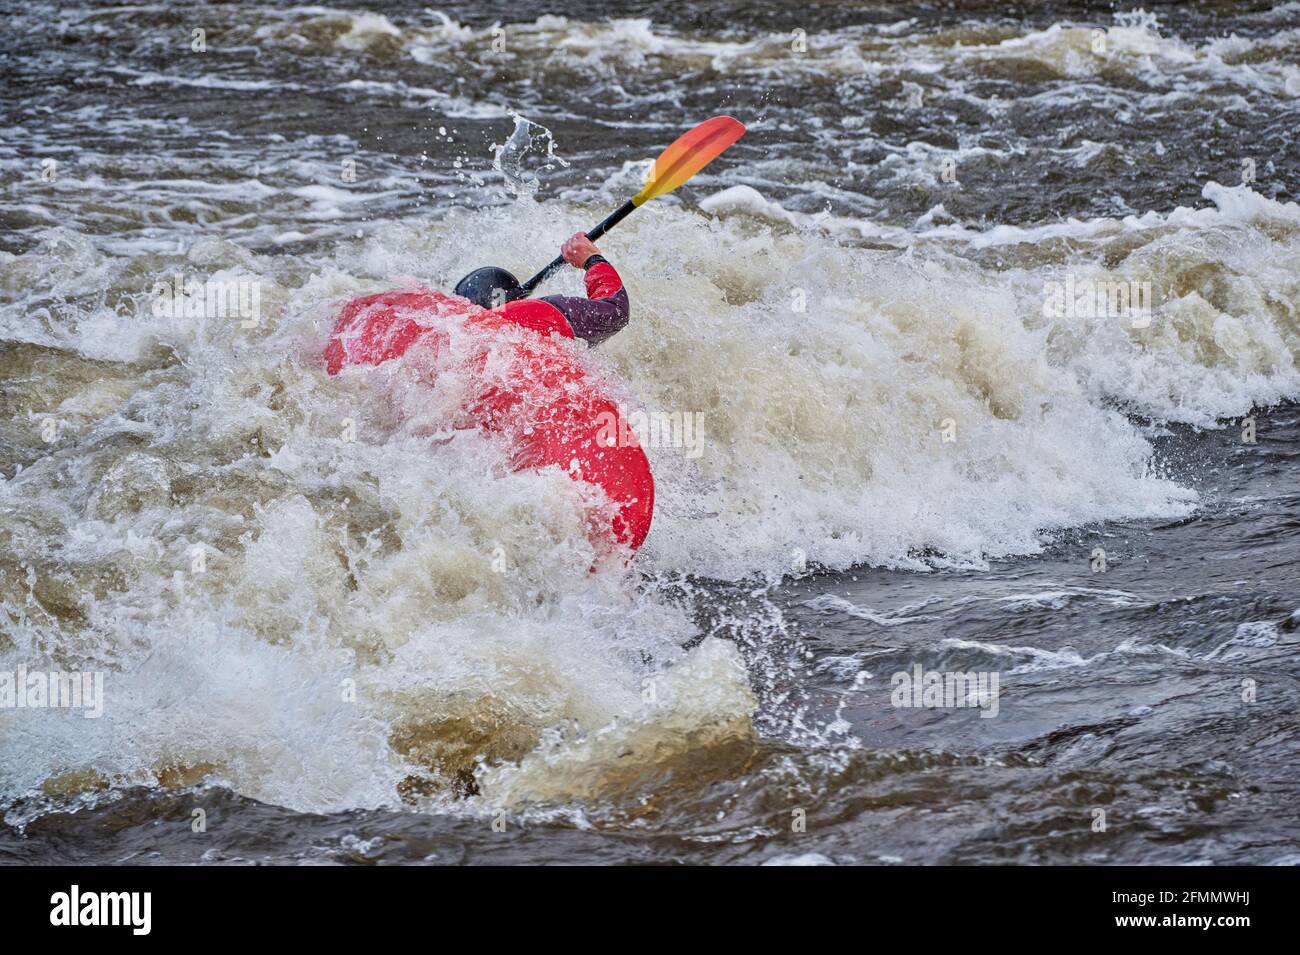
[535, 393]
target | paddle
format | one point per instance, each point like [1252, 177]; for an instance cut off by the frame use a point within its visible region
[692, 151]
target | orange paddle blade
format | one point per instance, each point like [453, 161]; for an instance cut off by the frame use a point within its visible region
[693, 151]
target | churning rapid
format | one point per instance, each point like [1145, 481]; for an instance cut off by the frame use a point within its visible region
[906, 437]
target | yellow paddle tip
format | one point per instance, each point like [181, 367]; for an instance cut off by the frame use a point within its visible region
[692, 151]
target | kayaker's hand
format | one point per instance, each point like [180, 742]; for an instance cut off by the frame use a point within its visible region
[578, 249]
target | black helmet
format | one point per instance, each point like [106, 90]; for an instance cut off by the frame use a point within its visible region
[489, 287]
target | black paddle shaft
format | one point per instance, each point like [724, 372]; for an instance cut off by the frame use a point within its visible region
[613, 219]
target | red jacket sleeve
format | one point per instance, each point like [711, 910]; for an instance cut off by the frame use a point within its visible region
[606, 308]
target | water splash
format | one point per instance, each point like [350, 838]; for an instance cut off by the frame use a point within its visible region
[528, 151]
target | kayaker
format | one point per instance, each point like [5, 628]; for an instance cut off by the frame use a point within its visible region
[537, 397]
[595, 318]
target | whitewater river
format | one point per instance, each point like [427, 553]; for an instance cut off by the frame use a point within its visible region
[329, 627]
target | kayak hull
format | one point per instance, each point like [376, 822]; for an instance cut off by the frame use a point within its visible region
[545, 405]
